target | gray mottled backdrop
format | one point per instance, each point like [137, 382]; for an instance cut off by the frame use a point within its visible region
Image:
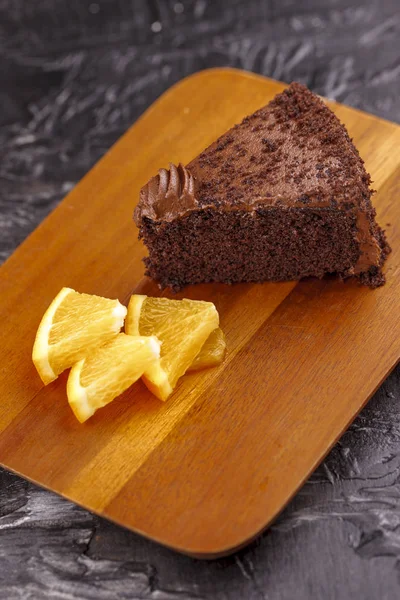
[74, 74]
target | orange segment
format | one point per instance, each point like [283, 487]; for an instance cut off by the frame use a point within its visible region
[182, 326]
[212, 352]
[99, 378]
[73, 326]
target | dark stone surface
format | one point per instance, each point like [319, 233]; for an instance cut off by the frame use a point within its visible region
[74, 75]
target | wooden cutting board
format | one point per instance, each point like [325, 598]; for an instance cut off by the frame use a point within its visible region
[205, 472]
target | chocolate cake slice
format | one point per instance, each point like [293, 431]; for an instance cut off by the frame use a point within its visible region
[281, 196]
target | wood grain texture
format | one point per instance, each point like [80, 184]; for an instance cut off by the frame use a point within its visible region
[205, 472]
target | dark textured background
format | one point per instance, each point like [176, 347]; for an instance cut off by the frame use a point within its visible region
[74, 75]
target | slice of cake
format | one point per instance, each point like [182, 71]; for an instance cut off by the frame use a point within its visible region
[281, 196]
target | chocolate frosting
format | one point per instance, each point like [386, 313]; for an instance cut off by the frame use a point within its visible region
[167, 195]
[370, 250]
[292, 153]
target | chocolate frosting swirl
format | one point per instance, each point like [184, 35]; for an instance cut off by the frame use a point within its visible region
[168, 194]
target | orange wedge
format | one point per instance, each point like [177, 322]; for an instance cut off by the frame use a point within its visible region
[99, 378]
[72, 327]
[212, 352]
[182, 326]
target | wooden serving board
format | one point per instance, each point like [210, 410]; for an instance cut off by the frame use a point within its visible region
[205, 472]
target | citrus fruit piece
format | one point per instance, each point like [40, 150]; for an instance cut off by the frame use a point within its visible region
[182, 326]
[97, 379]
[73, 326]
[212, 352]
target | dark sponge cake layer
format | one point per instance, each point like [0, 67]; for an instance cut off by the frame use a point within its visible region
[268, 244]
[281, 196]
